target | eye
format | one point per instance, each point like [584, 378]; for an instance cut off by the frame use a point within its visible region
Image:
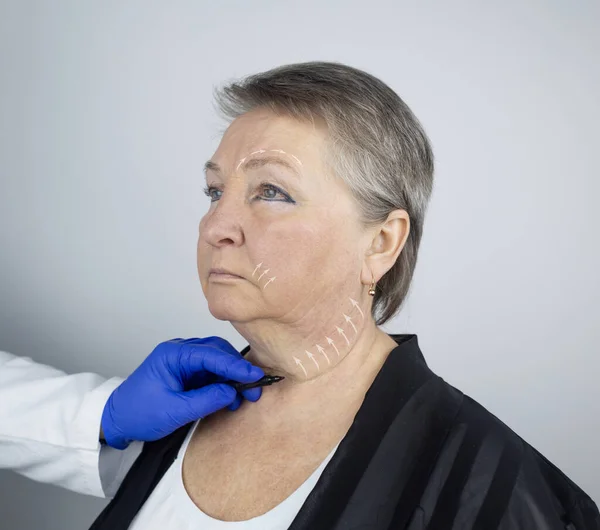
[272, 190]
[208, 192]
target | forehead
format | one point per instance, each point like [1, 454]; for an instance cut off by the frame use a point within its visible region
[264, 130]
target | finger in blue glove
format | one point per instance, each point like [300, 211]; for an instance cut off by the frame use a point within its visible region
[157, 398]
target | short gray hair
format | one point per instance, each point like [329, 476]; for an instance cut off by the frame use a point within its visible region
[376, 146]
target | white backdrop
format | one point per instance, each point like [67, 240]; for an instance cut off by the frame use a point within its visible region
[106, 119]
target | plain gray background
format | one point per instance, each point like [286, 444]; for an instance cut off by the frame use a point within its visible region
[106, 119]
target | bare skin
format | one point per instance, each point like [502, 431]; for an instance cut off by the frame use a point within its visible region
[319, 259]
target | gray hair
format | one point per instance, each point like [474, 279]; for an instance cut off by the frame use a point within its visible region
[376, 146]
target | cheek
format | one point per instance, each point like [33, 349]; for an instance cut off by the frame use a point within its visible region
[301, 255]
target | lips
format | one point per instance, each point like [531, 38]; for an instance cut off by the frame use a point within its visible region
[219, 270]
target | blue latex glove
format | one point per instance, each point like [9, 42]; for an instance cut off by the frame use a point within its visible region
[176, 384]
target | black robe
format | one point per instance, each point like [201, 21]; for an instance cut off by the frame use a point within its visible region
[419, 454]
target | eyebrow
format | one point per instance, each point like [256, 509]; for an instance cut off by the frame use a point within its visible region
[255, 163]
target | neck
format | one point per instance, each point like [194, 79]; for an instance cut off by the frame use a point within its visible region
[322, 378]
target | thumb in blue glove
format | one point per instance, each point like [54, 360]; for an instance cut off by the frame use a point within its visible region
[176, 384]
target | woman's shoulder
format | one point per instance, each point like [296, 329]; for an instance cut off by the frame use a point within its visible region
[504, 480]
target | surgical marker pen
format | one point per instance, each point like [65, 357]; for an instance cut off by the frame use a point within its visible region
[263, 381]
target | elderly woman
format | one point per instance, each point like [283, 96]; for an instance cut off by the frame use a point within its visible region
[318, 192]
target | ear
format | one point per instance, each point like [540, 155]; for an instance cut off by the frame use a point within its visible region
[387, 242]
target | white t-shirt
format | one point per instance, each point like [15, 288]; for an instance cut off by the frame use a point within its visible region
[170, 507]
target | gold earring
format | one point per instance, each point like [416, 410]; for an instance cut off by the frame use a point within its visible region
[372, 288]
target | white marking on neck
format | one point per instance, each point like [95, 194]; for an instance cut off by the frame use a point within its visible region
[348, 319]
[331, 343]
[321, 350]
[311, 356]
[341, 332]
[355, 304]
[299, 362]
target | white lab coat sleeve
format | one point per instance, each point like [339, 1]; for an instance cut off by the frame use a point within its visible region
[114, 464]
[50, 426]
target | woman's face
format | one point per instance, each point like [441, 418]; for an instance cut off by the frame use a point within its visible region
[292, 233]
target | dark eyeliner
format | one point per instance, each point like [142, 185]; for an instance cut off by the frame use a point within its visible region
[263, 185]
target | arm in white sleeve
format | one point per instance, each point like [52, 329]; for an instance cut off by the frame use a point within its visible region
[50, 426]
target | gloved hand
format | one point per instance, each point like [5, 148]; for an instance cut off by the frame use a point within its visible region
[176, 384]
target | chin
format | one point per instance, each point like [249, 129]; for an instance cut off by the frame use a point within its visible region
[224, 308]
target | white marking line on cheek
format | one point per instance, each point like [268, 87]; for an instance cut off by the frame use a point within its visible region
[264, 272]
[269, 282]
[257, 267]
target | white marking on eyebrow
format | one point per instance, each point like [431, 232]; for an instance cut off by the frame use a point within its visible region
[296, 159]
[260, 151]
[289, 154]
[241, 162]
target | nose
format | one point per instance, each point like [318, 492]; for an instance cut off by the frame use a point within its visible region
[222, 225]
